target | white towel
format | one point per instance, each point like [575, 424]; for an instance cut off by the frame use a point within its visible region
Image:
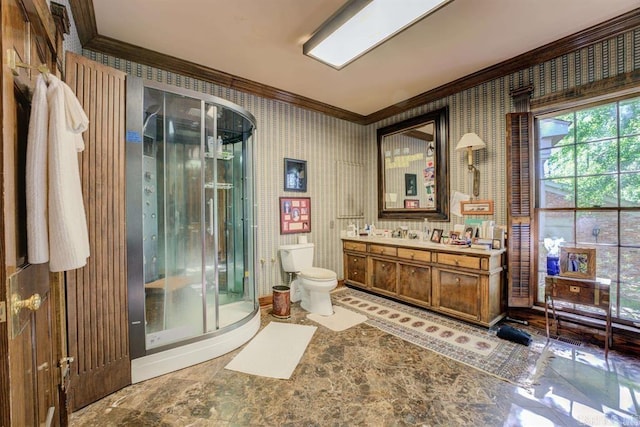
[56, 222]
[36, 176]
[68, 236]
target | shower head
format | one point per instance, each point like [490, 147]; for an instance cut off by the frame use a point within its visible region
[151, 111]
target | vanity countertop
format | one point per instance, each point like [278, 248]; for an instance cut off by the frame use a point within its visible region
[421, 244]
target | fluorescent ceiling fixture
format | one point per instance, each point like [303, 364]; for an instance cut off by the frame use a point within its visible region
[361, 25]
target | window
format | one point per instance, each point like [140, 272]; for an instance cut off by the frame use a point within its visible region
[588, 193]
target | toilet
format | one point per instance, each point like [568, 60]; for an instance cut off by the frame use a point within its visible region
[312, 284]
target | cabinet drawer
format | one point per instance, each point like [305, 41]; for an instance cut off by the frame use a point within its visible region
[383, 250]
[578, 292]
[414, 254]
[467, 261]
[356, 267]
[355, 246]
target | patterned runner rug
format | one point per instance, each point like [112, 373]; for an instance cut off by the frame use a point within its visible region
[472, 345]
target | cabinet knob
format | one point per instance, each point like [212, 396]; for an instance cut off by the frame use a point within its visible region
[457, 280]
[412, 255]
[355, 260]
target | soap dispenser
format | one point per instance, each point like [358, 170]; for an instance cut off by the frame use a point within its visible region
[425, 230]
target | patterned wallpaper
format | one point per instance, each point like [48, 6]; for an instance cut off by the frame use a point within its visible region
[287, 131]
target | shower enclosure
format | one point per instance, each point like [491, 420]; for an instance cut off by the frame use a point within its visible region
[190, 227]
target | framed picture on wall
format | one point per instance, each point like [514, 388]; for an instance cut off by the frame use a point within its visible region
[295, 215]
[411, 203]
[477, 207]
[410, 184]
[295, 175]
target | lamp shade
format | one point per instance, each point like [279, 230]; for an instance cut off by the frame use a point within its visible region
[470, 140]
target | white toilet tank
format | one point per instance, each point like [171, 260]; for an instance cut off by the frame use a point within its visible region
[296, 257]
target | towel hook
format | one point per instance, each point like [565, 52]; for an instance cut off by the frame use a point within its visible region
[15, 64]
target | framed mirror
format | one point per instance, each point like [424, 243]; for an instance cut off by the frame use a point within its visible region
[413, 177]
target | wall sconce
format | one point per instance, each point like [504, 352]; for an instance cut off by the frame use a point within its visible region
[471, 142]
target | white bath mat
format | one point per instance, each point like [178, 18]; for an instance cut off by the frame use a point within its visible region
[275, 351]
[340, 320]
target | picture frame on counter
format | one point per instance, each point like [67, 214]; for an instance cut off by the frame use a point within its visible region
[578, 262]
[436, 235]
[496, 244]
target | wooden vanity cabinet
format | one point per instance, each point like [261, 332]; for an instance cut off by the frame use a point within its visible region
[384, 275]
[355, 263]
[458, 293]
[414, 283]
[462, 283]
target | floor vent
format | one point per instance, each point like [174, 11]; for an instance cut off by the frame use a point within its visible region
[571, 341]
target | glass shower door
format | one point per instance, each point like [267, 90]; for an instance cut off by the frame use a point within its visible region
[172, 218]
[190, 227]
[226, 136]
[196, 239]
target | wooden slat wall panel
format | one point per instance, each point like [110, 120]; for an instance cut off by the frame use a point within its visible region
[97, 314]
[519, 210]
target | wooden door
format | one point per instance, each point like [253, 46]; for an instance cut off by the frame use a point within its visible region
[30, 328]
[98, 333]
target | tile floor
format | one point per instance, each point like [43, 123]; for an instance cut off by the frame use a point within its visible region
[365, 377]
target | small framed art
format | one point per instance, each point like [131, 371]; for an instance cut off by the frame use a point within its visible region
[410, 184]
[436, 235]
[411, 203]
[295, 215]
[477, 207]
[578, 262]
[496, 244]
[295, 175]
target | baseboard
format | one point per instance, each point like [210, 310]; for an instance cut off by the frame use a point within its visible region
[268, 299]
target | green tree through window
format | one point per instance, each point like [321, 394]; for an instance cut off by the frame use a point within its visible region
[588, 192]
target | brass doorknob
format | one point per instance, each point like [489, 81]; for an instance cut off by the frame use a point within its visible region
[31, 303]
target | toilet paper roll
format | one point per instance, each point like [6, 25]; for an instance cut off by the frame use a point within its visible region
[302, 240]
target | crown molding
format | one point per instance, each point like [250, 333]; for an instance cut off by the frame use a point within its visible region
[84, 17]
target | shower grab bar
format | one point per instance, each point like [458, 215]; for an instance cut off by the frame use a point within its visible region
[210, 216]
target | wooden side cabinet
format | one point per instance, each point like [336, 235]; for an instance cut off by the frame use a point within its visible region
[592, 293]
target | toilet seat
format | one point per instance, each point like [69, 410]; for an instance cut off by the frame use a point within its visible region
[318, 274]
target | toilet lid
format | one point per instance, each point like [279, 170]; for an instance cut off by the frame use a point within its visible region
[318, 273]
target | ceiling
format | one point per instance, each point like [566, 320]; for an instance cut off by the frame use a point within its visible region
[261, 41]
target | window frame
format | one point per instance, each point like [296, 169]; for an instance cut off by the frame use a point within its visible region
[540, 271]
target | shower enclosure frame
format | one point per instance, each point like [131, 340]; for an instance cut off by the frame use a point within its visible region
[150, 362]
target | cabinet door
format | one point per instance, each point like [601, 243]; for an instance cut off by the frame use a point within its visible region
[383, 275]
[458, 293]
[355, 269]
[414, 283]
